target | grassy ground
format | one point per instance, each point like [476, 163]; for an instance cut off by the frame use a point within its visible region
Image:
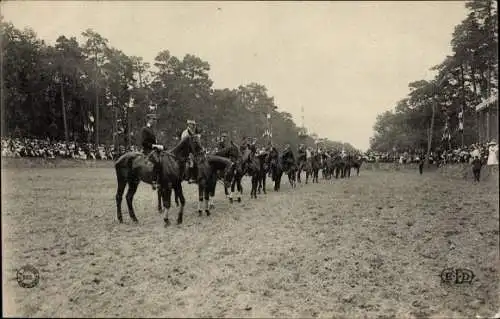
[371, 246]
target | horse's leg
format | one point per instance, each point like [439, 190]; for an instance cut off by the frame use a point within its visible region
[233, 185]
[176, 199]
[122, 183]
[167, 196]
[211, 193]
[132, 188]
[201, 189]
[159, 193]
[253, 192]
[180, 194]
[239, 187]
[207, 198]
[263, 181]
[259, 185]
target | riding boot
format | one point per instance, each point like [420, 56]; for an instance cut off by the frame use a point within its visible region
[155, 179]
[191, 179]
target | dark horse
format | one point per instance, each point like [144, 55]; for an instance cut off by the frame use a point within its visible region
[257, 170]
[133, 167]
[284, 163]
[290, 167]
[264, 169]
[356, 164]
[210, 169]
[302, 163]
[241, 160]
[312, 167]
[348, 165]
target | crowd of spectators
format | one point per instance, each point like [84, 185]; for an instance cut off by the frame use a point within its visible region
[440, 157]
[45, 148]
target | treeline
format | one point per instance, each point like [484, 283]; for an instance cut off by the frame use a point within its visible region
[82, 92]
[463, 80]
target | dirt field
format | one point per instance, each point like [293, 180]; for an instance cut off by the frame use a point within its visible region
[373, 246]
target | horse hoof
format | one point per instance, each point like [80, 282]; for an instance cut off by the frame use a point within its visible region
[179, 221]
[208, 212]
[212, 206]
[239, 199]
[167, 222]
[231, 200]
[120, 220]
[135, 221]
[199, 212]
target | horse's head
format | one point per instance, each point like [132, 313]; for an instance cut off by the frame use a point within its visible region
[190, 144]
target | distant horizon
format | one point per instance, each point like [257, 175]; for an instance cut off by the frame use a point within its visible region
[352, 59]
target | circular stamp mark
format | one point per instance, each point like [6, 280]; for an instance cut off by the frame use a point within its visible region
[28, 276]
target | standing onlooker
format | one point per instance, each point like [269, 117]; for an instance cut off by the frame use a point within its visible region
[492, 153]
[421, 164]
[476, 168]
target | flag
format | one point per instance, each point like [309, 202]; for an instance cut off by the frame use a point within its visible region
[268, 115]
[91, 118]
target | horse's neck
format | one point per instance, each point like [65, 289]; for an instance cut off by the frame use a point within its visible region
[219, 161]
[180, 149]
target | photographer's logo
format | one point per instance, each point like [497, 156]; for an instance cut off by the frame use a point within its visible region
[457, 276]
[28, 276]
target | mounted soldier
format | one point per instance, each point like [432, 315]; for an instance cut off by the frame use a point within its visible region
[149, 146]
[301, 153]
[222, 141]
[252, 145]
[190, 169]
[287, 156]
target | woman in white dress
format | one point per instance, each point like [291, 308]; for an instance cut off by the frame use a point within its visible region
[493, 153]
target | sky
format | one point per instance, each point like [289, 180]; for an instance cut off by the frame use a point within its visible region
[343, 62]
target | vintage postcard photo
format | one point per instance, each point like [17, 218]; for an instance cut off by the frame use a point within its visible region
[257, 159]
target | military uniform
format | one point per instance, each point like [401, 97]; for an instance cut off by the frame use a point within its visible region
[148, 141]
[190, 171]
[222, 143]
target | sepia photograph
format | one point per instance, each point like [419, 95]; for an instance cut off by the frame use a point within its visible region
[250, 159]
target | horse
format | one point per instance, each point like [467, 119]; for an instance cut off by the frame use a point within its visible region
[301, 166]
[275, 168]
[241, 158]
[356, 164]
[326, 166]
[283, 163]
[347, 166]
[133, 167]
[264, 168]
[313, 166]
[339, 166]
[208, 168]
[257, 171]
